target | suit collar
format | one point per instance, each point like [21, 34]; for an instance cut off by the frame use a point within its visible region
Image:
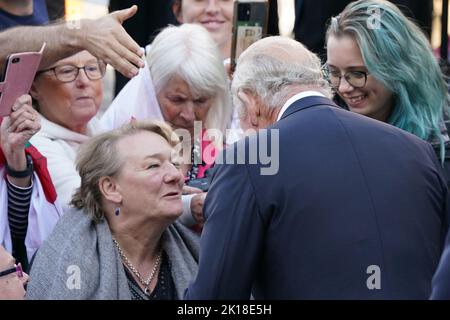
[296, 97]
[306, 103]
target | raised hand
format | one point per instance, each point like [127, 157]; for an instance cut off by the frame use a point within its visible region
[106, 39]
[16, 130]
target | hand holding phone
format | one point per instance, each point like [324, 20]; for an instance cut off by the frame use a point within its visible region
[18, 78]
[250, 18]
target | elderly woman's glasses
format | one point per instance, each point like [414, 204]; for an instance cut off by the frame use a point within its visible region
[68, 73]
[17, 268]
[357, 79]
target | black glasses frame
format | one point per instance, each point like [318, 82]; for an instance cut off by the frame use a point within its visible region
[101, 64]
[17, 268]
[326, 71]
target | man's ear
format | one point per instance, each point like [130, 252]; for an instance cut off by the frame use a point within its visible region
[176, 9]
[110, 189]
[252, 108]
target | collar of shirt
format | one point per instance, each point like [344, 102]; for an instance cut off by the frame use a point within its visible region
[298, 96]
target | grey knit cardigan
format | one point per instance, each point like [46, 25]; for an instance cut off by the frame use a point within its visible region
[80, 261]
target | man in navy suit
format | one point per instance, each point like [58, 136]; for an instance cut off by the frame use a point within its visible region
[354, 209]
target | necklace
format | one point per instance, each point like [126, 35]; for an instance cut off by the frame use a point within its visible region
[130, 266]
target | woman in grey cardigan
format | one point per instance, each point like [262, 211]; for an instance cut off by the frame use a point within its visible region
[121, 240]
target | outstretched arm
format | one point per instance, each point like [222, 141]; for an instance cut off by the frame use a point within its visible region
[105, 38]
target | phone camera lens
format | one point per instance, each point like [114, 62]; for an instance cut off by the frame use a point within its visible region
[15, 60]
[244, 12]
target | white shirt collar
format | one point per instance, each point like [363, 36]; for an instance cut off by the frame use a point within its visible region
[298, 96]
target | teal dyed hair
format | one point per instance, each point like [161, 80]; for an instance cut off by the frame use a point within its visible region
[397, 53]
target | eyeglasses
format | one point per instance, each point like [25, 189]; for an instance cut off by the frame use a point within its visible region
[17, 268]
[68, 73]
[357, 79]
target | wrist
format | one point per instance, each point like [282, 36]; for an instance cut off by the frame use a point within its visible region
[18, 170]
[186, 217]
[75, 31]
[16, 159]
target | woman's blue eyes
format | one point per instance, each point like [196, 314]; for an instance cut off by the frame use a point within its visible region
[153, 166]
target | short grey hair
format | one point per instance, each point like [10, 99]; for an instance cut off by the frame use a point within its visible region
[99, 158]
[189, 51]
[270, 72]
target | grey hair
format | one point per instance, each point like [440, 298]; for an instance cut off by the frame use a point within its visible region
[271, 73]
[99, 158]
[189, 51]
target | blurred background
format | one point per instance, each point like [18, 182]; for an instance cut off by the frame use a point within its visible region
[76, 9]
[95, 8]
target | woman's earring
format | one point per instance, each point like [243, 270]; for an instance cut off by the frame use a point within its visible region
[117, 211]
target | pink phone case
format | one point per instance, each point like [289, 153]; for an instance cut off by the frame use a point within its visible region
[19, 75]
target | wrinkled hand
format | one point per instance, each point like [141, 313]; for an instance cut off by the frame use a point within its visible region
[19, 126]
[191, 190]
[106, 39]
[197, 203]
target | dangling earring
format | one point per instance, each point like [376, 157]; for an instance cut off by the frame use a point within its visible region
[117, 211]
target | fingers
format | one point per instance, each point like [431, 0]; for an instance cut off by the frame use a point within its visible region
[199, 219]
[126, 47]
[120, 58]
[21, 101]
[125, 14]
[119, 50]
[201, 198]
[191, 190]
[197, 208]
[27, 127]
[128, 54]
[125, 59]
[5, 125]
[24, 118]
[111, 43]
[197, 202]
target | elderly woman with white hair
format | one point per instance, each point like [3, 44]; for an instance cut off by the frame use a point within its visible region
[190, 85]
[185, 83]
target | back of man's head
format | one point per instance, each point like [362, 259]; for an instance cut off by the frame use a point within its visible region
[276, 68]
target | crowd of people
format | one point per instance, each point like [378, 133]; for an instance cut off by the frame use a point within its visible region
[357, 207]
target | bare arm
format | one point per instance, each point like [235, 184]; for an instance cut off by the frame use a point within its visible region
[105, 38]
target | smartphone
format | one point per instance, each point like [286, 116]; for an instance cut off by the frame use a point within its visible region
[18, 77]
[250, 18]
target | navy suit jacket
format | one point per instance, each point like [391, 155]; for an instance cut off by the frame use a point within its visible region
[351, 193]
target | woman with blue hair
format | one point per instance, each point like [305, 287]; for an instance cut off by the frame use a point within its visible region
[382, 66]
